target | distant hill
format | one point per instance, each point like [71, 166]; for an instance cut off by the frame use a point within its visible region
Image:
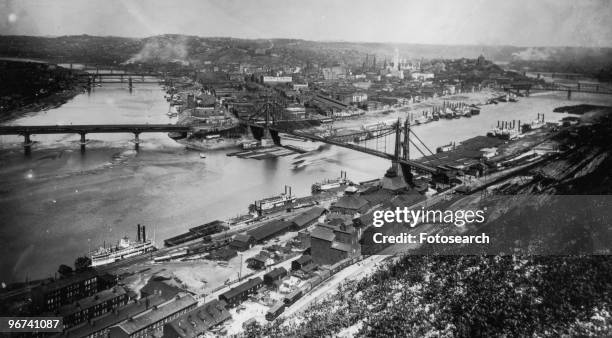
[195, 50]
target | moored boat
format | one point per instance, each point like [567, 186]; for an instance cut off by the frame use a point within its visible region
[124, 249]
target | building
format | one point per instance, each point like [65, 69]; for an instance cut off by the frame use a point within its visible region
[295, 112]
[275, 276]
[276, 79]
[420, 76]
[307, 218]
[359, 97]
[223, 254]
[93, 306]
[50, 297]
[300, 86]
[152, 321]
[334, 73]
[269, 230]
[99, 327]
[209, 228]
[303, 239]
[157, 286]
[301, 262]
[239, 294]
[241, 242]
[350, 205]
[330, 244]
[198, 321]
[260, 261]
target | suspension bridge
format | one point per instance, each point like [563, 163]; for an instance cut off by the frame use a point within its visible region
[268, 123]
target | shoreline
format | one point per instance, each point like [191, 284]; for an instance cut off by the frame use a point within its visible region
[51, 101]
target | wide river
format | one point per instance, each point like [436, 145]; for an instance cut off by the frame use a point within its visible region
[58, 203]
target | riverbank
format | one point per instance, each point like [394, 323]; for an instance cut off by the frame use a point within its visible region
[51, 101]
[31, 86]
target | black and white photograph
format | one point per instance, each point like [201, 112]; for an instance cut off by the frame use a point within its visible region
[305, 168]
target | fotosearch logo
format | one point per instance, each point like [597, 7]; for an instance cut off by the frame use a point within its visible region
[414, 217]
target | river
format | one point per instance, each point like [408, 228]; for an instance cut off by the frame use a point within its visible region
[58, 203]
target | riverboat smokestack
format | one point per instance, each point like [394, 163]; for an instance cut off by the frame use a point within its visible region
[144, 234]
[138, 231]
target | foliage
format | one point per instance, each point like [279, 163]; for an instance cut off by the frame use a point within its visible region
[467, 296]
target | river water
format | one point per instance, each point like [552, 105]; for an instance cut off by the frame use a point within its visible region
[58, 203]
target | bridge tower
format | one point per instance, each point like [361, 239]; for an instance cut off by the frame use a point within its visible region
[406, 144]
[398, 175]
[406, 170]
[397, 151]
[266, 139]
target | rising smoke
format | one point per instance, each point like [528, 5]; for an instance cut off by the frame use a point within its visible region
[163, 49]
[534, 54]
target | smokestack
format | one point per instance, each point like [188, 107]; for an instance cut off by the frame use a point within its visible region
[519, 126]
[497, 124]
[144, 234]
[138, 231]
[542, 117]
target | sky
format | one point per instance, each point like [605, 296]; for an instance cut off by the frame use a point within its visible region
[454, 22]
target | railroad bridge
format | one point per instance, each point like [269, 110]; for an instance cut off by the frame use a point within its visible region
[570, 87]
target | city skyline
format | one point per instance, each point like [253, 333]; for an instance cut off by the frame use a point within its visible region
[472, 22]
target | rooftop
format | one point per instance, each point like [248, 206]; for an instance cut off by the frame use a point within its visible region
[342, 246]
[114, 317]
[157, 313]
[278, 272]
[233, 292]
[351, 202]
[64, 282]
[308, 216]
[244, 238]
[206, 226]
[304, 259]
[269, 229]
[91, 301]
[200, 319]
[323, 233]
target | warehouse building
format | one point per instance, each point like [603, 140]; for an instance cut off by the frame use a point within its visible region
[239, 294]
[197, 322]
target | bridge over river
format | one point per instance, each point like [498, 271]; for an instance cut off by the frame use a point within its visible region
[83, 130]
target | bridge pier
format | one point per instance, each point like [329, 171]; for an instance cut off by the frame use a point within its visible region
[83, 141]
[27, 144]
[130, 85]
[136, 141]
[266, 139]
[569, 94]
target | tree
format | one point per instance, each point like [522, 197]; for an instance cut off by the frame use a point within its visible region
[64, 270]
[82, 263]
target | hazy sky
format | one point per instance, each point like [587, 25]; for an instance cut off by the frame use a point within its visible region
[513, 22]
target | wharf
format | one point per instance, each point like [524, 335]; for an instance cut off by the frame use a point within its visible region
[465, 154]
